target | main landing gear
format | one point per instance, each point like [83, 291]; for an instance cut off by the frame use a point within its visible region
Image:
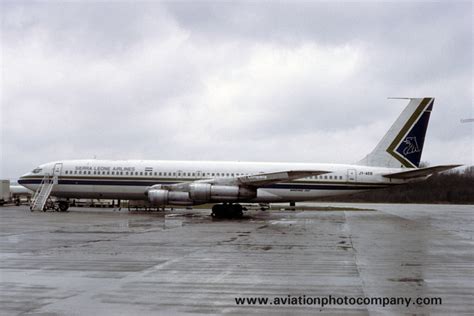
[227, 211]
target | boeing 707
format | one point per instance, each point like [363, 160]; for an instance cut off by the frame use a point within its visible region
[394, 161]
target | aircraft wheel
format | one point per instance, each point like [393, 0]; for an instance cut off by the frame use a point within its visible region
[236, 211]
[63, 206]
[218, 211]
[227, 211]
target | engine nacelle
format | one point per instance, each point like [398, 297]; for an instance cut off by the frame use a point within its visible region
[158, 197]
[205, 192]
[198, 193]
[161, 197]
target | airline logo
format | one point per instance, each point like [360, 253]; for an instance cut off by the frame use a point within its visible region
[411, 146]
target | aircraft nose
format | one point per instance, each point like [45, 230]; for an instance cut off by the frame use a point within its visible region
[22, 178]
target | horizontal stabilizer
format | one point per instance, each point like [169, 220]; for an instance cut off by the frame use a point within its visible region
[274, 177]
[422, 172]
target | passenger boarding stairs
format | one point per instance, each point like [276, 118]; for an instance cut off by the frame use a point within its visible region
[42, 193]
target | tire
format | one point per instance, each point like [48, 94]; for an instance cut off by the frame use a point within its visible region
[63, 206]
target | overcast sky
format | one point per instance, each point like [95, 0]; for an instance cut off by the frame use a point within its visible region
[272, 81]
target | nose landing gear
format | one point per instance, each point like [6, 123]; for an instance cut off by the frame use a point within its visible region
[63, 206]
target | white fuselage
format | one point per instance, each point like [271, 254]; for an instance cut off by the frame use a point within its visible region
[129, 179]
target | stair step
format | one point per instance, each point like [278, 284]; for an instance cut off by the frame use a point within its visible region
[42, 193]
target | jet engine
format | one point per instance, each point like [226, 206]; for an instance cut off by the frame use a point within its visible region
[206, 192]
[198, 193]
[164, 197]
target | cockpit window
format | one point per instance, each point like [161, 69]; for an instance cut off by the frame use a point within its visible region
[37, 170]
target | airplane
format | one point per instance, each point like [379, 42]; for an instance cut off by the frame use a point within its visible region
[394, 161]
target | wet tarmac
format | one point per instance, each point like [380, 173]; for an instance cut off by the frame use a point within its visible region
[104, 262]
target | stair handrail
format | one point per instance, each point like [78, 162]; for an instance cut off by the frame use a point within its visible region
[46, 179]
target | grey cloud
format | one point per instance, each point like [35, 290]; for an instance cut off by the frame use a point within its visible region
[174, 80]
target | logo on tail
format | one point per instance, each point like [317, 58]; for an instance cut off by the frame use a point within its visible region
[411, 146]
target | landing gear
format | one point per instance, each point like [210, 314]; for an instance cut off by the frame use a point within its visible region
[63, 206]
[227, 211]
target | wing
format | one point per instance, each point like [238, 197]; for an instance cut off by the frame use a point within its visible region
[421, 172]
[261, 179]
[255, 180]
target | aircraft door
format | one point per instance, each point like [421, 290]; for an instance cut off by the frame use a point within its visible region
[57, 169]
[351, 175]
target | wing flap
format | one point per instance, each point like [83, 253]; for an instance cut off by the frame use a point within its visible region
[421, 172]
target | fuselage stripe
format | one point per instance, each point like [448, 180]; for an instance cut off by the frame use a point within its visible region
[298, 186]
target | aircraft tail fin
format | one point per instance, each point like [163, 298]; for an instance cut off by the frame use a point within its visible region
[402, 145]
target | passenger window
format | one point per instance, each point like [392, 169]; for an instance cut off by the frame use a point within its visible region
[113, 172]
[141, 173]
[80, 172]
[325, 177]
[213, 174]
[194, 174]
[66, 172]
